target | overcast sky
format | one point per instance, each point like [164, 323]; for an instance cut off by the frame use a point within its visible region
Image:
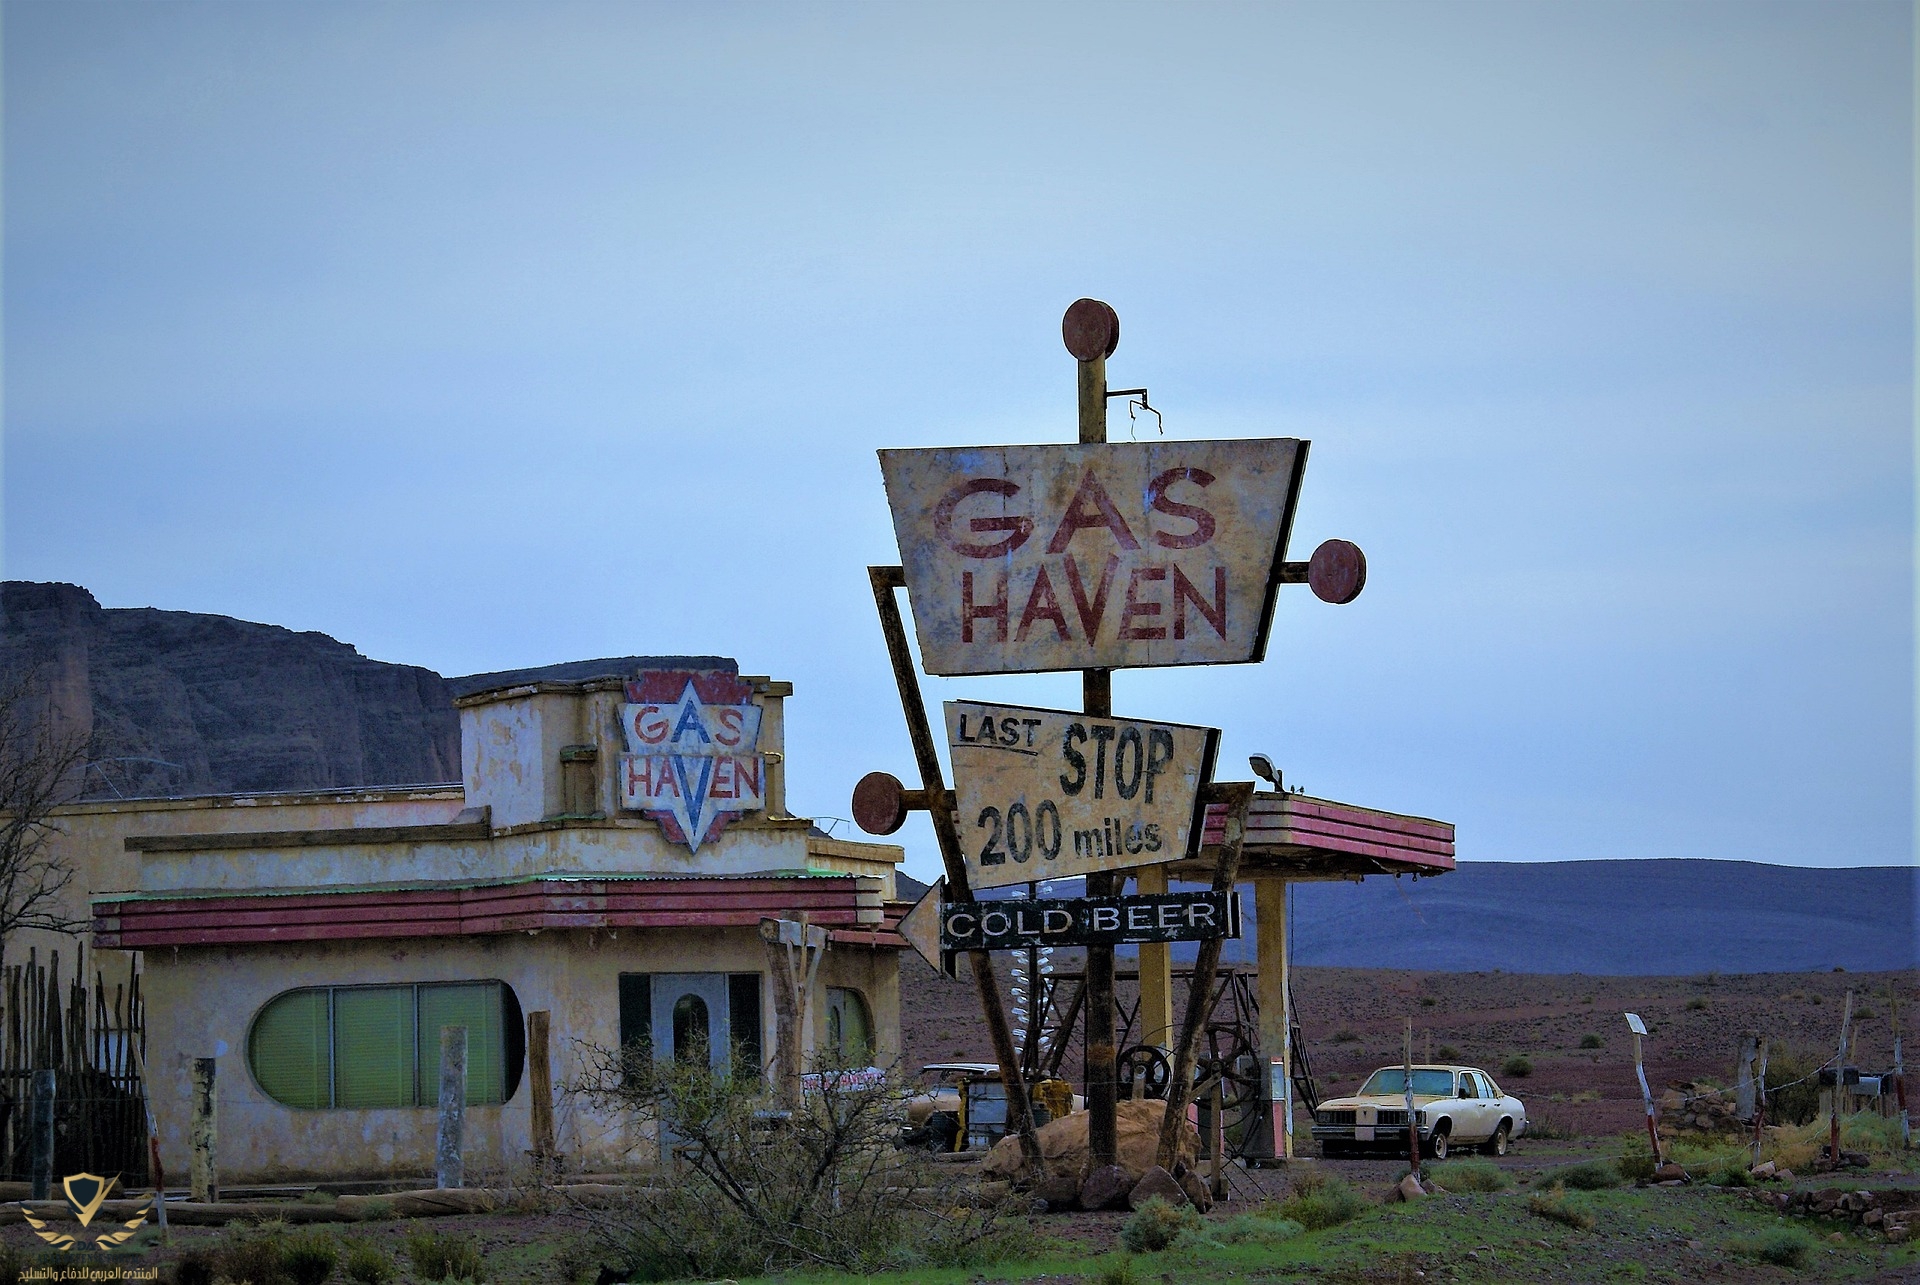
[482, 336]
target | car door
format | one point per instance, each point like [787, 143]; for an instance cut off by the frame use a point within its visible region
[1472, 1123]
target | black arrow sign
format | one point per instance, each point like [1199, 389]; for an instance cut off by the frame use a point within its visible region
[1090, 921]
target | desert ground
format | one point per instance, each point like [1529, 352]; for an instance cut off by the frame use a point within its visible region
[1354, 1019]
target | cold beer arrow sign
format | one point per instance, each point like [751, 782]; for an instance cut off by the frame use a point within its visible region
[1050, 794]
[1089, 921]
[1093, 556]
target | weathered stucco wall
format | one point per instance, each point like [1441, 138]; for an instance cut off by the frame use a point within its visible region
[91, 838]
[591, 847]
[203, 1002]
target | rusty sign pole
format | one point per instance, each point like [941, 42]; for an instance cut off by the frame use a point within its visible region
[1091, 331]
[935, 797]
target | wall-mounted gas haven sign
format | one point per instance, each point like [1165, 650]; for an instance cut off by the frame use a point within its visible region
[691, 764]
[1097, 556]
[1050, 794]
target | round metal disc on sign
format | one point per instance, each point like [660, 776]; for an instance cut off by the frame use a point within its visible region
[879, 803]
[1338, 572]
[1091, 330]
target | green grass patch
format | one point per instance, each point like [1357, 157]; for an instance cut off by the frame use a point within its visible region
[1584, 1175]
[1469, 1175]
[1560, 1207]
[1317, 1201]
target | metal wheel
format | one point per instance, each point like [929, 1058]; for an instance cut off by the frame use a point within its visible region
[1144, 1060]
[1497, 1144]
[1437, 1144]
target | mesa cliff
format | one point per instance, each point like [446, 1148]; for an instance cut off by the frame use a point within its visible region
[179, 702]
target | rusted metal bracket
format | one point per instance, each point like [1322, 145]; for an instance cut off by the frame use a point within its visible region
[1336, 573]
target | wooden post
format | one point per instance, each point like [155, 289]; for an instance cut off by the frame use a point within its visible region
[158, 1174]
[1156, 971]
[1218, 1142]
[885, 580]
[449, 1171]
[1639, 1028]
[1096, 689]
[1270, 894]
[1839, 1081]
[1899, 1068]
[41, 1158]
[1760, 1100]
[786, 1017]
[203, 1172]
[1413, 1126]
[540, 1082]
[1237, 796]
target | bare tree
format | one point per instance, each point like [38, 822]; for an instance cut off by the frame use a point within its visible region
[40, 767]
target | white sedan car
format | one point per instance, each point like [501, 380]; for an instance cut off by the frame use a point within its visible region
[1453, 1106]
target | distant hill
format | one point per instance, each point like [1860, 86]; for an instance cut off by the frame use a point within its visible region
[1653, 918]
[178, 702]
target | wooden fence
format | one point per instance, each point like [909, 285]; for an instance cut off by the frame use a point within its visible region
[85, 1036]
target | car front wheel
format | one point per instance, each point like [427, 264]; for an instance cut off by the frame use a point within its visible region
[1497, 1144]
[1437, 1144]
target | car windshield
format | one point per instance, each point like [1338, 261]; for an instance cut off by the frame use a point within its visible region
[1430, 1084]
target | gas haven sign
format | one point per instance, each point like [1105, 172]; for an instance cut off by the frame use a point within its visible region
[692, 762]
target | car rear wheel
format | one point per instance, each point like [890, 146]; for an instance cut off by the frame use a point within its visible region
[1497, 1144]
[1437, 1144]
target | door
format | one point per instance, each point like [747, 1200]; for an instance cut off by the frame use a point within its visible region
[691, 1017]
[1476, 1112]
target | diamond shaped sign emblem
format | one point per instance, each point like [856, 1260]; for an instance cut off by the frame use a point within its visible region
[691, 763]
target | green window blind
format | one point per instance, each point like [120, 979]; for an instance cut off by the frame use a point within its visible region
[475, 1006]
[373, 1046]
[289, 1049]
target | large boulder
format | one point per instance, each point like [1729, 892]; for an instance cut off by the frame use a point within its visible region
[1063, 1144]
[1156, 1182]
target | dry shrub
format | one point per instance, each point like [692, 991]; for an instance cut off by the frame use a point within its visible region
[1781, 1246]
[440, 1256]
[767, 1189]
[1157, 1224]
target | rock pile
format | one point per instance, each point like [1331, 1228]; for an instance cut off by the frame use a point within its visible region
[1889, 1212]
[1693, 1106]
[1072, 1183]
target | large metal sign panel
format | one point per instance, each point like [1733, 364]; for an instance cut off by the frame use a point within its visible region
[692, 762]
[1099, 556]
[1050, 794]
[1089, 921]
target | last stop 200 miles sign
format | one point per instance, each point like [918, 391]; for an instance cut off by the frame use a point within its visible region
[1050, 794]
